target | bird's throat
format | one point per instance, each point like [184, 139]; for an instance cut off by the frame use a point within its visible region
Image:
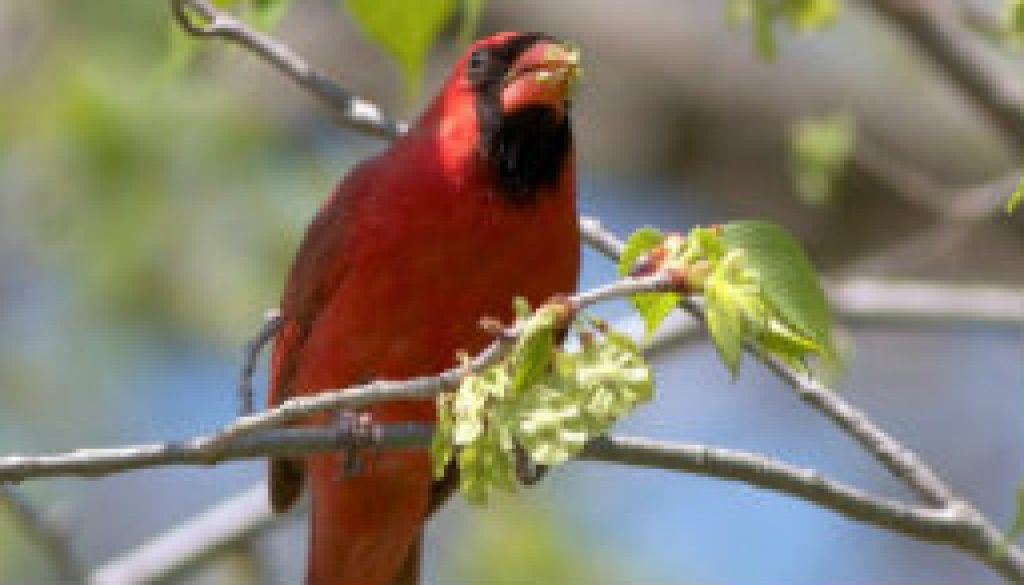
[526, 150]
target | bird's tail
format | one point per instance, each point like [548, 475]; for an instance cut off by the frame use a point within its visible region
[367, 524]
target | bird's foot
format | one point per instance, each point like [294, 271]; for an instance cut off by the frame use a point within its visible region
[358, 428]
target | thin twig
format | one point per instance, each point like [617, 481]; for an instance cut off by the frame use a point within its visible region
[200, 538]
[863, 299]
[960, 210]
[50, 537]
[969, 204]
[935, 27]
[200, 18]
[271, 323]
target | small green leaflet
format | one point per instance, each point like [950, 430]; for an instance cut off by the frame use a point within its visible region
[534, 348]
[652, 307]
[724, 321]
[786, 278]
[1016, 198]
[640, 242]
[407, 29]
[266, 14]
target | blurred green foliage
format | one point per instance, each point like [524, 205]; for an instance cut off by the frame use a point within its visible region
[524, 540]
[157, 200]
[1013, 21]
[819, 149]
[764, 16]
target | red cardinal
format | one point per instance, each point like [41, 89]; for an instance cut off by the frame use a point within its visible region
[474, 206]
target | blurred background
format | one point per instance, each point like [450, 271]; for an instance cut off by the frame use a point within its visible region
[153, 191]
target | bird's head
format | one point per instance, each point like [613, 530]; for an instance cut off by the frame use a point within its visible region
[515, 71]
[515, 91]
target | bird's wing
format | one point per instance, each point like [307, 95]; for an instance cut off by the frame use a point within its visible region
[319, 269]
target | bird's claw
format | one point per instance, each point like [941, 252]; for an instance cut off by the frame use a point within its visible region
[358, 428]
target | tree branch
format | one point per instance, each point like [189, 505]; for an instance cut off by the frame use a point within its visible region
[247, 513]
[860, 299]
[200, 538]
[251, 355]
[211, 450]
[960, 210]
[969, 204]
[942, 525]
[935, 27]
[200, 18]
[934, 525]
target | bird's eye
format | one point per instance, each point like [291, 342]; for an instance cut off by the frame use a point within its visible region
[477, 59]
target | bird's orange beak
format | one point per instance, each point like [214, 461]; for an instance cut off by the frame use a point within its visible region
[545, 75]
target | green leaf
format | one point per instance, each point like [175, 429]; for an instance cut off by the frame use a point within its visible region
[522, 308]
[1016, 198]
[534, 347]
[786, 278]
[724, 320]
[819, 149]
[654, 308]
[640, 242]
[471, 12]
[441, 444]
[738, 11]
[406, 29]
[806, 15]
[780, 340]
[764, 30]
[266, 14]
